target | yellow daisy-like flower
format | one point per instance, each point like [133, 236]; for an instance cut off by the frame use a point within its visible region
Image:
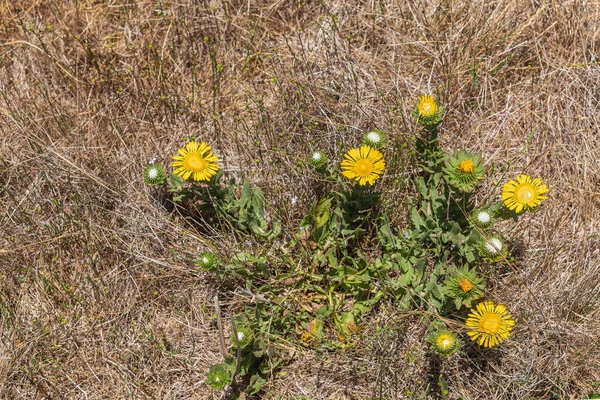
[465, 285]
[490, 324]
[427, 106]
[195, 160]
[523, 193]
[363, 165]
[466, 166]
[444, 342]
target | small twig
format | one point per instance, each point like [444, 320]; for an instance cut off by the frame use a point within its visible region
[255, 297]
[239, 351]
[219, 323]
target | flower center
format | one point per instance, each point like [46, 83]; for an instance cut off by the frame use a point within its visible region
[525, 193]
[363, 167]
[444, 341]
[494, 245]
[465, 285]
[490, 323]
[194, 162]
[466, 166]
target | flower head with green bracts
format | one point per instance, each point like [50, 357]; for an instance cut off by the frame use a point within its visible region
[428, 112]
[443, 342]
[375, 139]
[196, 161]
[363, 165]
[154, 174]
[482, 218]
[463, 286]
[206, 260]
[244, 336]
[493, 249]
[317, 159]
[463, 169]
[219, 376]
[524, 194]
[489, 324]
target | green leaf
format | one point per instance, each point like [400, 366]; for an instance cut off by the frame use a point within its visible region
[416, 218]
[323, 208]
[443, 386]
[176, 181]
[256, 384]
[469, 256]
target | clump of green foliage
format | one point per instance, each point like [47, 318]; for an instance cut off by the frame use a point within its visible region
[346, 256]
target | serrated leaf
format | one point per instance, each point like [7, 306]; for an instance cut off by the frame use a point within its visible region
[256, 384]
[176, 181]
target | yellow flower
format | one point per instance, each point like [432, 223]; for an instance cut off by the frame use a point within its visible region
[523, 193]
[466, 166]
[195, 160]
[427, 106]
[444, 342]
[490, 324]
[363, 165]
[465, 285]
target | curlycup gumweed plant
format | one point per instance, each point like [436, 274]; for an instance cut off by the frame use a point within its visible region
[489, 324]
[363, 165]
[524, 194]
[196, 161]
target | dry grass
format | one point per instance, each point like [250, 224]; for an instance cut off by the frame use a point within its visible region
[98, 298]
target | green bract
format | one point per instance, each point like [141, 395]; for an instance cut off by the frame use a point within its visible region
[219, 376]
[154, 174]
[444, 342]
[463, 169]
[463, 286]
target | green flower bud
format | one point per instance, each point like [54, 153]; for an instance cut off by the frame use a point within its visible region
[317, 159]
[219, 376]
[244, 336]
[375, 139]
[154, 174]
[483, 219]
[206, 260]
